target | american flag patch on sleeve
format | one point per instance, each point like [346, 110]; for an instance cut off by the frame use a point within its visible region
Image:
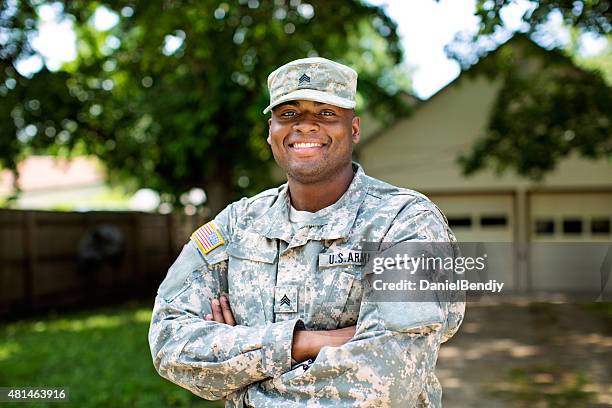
[207, 237]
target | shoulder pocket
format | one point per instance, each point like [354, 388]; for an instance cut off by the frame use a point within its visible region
[178, 278]
[253, 247]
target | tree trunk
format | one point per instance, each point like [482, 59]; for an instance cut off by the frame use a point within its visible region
[218, 192]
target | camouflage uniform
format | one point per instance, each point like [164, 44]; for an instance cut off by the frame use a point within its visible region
[389, 362]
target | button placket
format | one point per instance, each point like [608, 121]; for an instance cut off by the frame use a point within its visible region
[295, 268]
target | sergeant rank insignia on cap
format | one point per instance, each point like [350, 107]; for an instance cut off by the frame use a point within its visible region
[304, 78]
[207, 237]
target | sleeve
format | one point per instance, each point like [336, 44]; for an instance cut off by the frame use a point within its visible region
[391, 359]
[208, 358]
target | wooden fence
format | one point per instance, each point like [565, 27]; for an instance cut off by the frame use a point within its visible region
[51, 260]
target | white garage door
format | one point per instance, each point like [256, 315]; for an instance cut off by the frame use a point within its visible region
[574, 221]
[479, 217]
[570, 217]
[485, 218]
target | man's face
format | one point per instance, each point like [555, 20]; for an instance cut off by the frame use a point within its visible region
[312, 141]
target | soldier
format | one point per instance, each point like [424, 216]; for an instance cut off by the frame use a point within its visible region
[264, 307]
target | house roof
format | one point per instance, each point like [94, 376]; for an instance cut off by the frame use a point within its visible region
[38, 173]
[517, 39]
[475, 69]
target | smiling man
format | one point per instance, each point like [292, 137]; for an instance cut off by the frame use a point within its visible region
[264, 306]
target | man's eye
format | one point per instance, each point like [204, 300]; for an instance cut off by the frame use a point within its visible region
[328, 113]
[288, 114]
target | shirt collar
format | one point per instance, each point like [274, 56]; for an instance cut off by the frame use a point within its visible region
[334, 221]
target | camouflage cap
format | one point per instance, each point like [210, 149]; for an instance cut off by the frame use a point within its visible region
[313, 79]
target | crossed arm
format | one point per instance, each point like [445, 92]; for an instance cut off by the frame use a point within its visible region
[196, 343]
[306, 344]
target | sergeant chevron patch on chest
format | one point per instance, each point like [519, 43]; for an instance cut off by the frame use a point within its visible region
[208, 237]
[285, 299]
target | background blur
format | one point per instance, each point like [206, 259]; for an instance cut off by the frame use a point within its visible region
[125, 125]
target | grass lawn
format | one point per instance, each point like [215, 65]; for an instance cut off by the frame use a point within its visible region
[101, 356]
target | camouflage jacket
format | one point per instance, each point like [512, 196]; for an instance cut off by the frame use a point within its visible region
[276, 281]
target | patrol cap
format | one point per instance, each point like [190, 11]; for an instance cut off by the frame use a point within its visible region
[313, 79]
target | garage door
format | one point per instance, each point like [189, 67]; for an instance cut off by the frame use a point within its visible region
[578, 223]
[570, 217]
[479, 217]
[485, 218]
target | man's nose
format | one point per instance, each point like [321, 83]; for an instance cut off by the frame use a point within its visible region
[306, 124]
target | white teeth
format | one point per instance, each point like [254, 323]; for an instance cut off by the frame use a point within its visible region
[304, 145]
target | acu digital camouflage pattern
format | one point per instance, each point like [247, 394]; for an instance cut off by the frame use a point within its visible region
[313, 79]
[390, 361]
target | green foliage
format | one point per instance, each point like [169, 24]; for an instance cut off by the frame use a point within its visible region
[601, 63]
[102, 357]
[172, 95]
[546, 114]
[587, 15]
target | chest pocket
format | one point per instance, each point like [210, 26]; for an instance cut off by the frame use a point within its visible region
[335, 297]
[250, 279]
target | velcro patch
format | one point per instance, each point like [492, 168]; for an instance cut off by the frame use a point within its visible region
[343, 258]
[208, 237]
[285, 299]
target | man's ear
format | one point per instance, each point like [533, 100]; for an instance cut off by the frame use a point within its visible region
[355, 128]
[269, 139]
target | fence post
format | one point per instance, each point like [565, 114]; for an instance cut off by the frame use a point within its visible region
[138, 273]
[170, 225]
[29, 244]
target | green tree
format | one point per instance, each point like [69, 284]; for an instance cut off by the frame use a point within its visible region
[545, 114]
[589, 15]
[171, 97]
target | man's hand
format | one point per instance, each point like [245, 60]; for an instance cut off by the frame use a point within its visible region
[221, 311]
[308, 343]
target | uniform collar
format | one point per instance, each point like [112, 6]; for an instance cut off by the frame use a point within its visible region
[334, 222]
[274, 224]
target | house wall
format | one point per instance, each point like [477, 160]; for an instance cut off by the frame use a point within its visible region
[421, 152]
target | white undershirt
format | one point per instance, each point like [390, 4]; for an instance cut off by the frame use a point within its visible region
[299, 218]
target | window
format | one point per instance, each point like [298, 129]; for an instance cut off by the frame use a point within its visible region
[572, 226]
[544, 226]
[600, 226]
[494, 221]
[460, 222]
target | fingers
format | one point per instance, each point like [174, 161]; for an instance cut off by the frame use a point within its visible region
[221, 311]
[345, 334]
[217, 315]
[349, 330]
[227, 311]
